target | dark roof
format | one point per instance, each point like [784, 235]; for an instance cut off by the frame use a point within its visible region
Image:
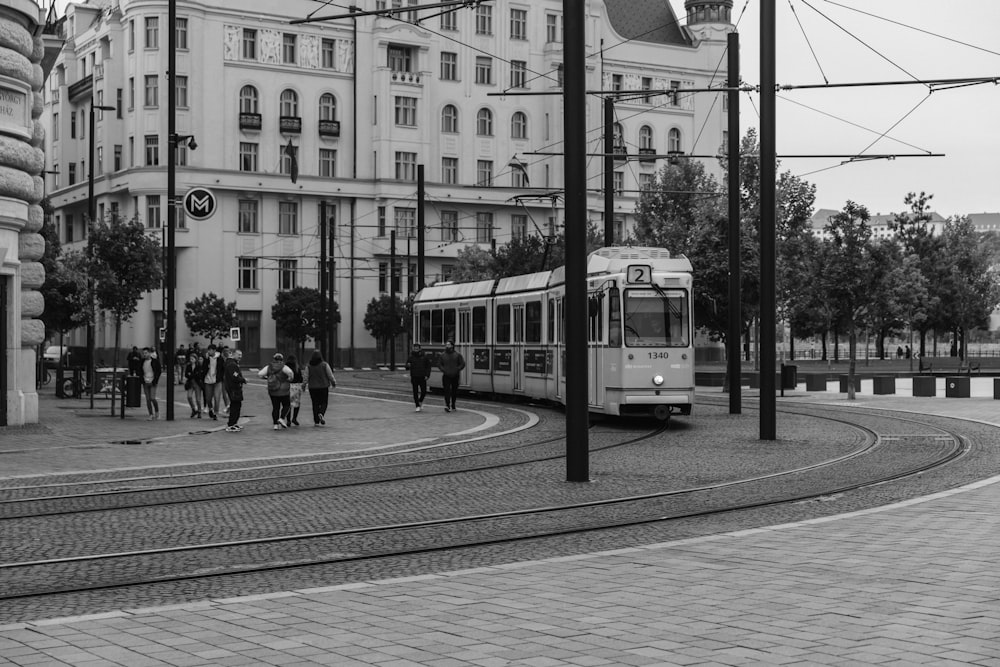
[646, 21]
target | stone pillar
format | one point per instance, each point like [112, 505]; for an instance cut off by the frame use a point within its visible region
[21, 188]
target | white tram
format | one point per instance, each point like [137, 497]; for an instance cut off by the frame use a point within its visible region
[510, 331]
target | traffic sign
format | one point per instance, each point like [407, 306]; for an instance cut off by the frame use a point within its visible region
[199, 203]
[234, 334]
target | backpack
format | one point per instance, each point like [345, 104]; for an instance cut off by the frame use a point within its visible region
[274, 381]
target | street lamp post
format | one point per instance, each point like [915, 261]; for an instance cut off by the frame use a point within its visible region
[91, 215]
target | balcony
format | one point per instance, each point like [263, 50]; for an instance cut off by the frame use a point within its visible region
[290, 124]
[412, 78]
[81, 88]
[645, 152]
[329, 128]
[98, 72]
[621, 152]
[250, 121]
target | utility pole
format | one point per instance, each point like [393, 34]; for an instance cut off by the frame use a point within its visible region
[170, 344]
[392, 299]
[421, 222]
[768, 210]
[322, 278]
[609, 172]
[735, 305]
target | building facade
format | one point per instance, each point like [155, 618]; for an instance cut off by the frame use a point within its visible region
[469, 95]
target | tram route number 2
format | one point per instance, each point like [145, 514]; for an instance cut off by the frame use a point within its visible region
[639, 273]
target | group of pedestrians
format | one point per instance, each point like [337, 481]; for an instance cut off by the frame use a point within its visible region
[451, 362]
[287, 379]
[204, 380]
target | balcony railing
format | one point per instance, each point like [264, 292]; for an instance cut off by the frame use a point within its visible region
[250, 121]
[406, 77]
[290, 124]
[329, 128]
[643, 152]
[620, 151]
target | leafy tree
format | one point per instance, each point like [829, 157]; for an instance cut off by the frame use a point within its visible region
[473, 263]
[972, 288]
[384, 321]
[62, 285]
[210, 316]
[298, 316]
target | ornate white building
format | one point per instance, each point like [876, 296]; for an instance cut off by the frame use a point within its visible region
[468, 93]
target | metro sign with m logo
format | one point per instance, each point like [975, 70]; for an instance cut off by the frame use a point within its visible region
[199, 203]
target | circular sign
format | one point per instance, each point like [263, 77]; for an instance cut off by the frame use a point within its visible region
[199, 203]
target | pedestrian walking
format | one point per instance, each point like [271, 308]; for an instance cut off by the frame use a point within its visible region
[233, 381]
[294, 390]
[194, 383]
[318, 377]
[180, 360]
[451, 363]
[225, 395]
[213, 381]
[419, 365]
[151, 370]
[279, 377]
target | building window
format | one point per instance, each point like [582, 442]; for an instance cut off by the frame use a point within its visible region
[674, 141]
[287, 270]
[449, 66]
[327, 162]
[72, 173]
[289, 103]
[400, 58]
[405, 220]
[484, 69]
[99, 160]
[381, 221]
[518, 74]
[327, 107]
[484, 227]
[181, 155]
[519, 24]
[131, 93]
[182, 91]
[152, 94]
[618, 182]
[617, 81]
[248, 156]
[484, 123]
[406, 166]
[118, 103]
[449, 21]
[181, 33]
[249, 100]
[55, 127]
[288, 43]
[484, 20]
[406, 111]
[153, 211]
[72, 125]
[449, 118]
[287, 159]
[519, 226]
[248, 217]
[247, 279]
[131, 36]
[484, 173]
[519, 125]
[646, 181]
[288, 218]
[647, 84]
[449, 170]
[131, 151]
[152, 32]
[249, 44]
[645, 137]
[152, 150]
[519, 177]
[675, 87]
[328, 53]
[449, 226]
[552, 32]
[383, 276]
[118, 157]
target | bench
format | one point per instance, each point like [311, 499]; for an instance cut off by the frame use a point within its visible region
[963, 367]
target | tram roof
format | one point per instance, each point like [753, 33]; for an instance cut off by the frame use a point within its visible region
[455, 291]
[524, 283]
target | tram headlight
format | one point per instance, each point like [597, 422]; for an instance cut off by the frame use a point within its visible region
[658, 380]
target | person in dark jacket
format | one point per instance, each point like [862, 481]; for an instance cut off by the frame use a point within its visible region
[451, 364]
[233, 381]
[194, 383]
[134, 361]
[150, 374]
[419, 365]
[318, 377]
[279, 378]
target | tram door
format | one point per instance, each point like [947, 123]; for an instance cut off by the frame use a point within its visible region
[517, 362]
[595, 349]
[465, 336]
[558, 374]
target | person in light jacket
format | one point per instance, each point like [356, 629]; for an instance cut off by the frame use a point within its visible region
[151, 370]
[317, 377]
[451, 363]
[279, 379]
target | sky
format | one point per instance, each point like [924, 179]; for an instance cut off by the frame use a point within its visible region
[864, 41]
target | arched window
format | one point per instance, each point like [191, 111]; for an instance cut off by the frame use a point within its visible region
[484, 123]
[645, 137]
[619, 136]
[674, 141]
[449, 118]
[289, 102]
[327, 107]
[249, 100]
[519, 125]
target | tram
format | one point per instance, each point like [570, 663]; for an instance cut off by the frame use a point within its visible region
[640, 339]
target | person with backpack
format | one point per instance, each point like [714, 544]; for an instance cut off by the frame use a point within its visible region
[279, 378]
[419, 365]
[318, 377]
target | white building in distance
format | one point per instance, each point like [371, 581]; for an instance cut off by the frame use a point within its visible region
[470, 93]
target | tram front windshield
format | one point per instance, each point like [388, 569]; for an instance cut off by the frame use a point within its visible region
[656, 318]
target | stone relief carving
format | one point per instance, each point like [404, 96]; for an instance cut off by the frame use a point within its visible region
[270, 46]
[233, 34]
[345, 56]
[309, 51]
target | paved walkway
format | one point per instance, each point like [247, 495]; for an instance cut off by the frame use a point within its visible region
[913, 583]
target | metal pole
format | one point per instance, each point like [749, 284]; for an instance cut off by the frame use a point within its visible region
[421, 223]
[91, 214]
[575, 304]
[322, 278]
[392, 299]
[768, 175]
[609, 172]
[168, 316]
[735, 305]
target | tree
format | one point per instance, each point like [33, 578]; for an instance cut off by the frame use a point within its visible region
[972, 288]
[472, 264]
[297, 315]
[385, 320]
[210, 316]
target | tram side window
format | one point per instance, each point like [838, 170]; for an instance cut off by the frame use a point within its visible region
[533, 322]
[437, 327]
[450, 330]
[551, 321]
[614, 318]
[503, 323]
[595, 311]
[479, 324]
[424, 327]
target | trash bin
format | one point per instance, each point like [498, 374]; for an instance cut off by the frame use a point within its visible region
[956, 386]
[789, 376]
[133, 391]
[924, 385]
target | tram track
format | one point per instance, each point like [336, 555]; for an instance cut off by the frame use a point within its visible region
[930, 449]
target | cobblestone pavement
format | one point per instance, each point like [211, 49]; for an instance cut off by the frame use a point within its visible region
[911, 583]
